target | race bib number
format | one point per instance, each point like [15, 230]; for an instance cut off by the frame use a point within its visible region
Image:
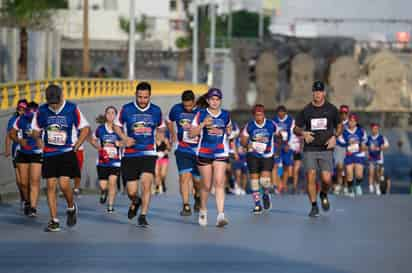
[259, 147]
[317, 124]
[188, 139]
[353, 148]
[111, 151]
[284, 135]
[57, 138]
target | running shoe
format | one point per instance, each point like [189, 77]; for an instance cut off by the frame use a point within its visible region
[378, 190]
[257, 209]
[133, 208]
[186, 210]
[103, 196]
[324, 201]
[26, 209]
[110, 209]
[337, 190]
[314, 212]
[196, 206]
[72, 215]
[267, 203]
[221, 221]
[358, 190]
[53, 226]
[351, 192]
[142, 221]
[77, 192]
[371, 189]
[33, 212]
[202, 218]
[345, 191]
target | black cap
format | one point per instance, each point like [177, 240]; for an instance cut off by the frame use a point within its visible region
[53, 94]
[318, 86]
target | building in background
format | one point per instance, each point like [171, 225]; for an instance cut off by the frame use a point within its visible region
[166, 21]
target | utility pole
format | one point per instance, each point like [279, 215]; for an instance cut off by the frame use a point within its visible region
[261, 21]
[230, 21]
[132, 27]
[86, 60]
[212, 42]
[195, 41]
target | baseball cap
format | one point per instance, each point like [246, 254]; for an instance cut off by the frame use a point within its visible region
[344, 109]
[353, 116]
[373, 125]
[318, 86]
[22, 104]
[214, 92]
[53, 94]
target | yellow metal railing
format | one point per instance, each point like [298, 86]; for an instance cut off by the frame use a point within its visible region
[84, 88]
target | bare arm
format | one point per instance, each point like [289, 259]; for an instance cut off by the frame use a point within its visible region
[127, 141]
[7, 143]
[171, 127]
[84, 134]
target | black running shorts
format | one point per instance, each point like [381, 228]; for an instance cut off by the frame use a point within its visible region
[133, 167]
[259, 164]
[60, 165]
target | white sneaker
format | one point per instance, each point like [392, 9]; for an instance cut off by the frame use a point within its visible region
[221, 221]
[337, 189]
[203, 218]
[345, 191]
[371, 189]
[242, 192]
[378, 190]
[358, 190]
[237, 191]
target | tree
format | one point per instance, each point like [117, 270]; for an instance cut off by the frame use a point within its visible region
[183, 44]
[28, 14]
[140, 26]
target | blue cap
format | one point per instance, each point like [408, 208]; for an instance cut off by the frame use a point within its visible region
[214, 92]
[318, 86]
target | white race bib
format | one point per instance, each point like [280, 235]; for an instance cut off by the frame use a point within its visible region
[160, 154]
[317, 124]
[111, 151]
[259, 147]
[188, 139]
[57, 138]
[353, 148]
[284, 135]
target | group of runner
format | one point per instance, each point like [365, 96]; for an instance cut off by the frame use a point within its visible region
[133, 144]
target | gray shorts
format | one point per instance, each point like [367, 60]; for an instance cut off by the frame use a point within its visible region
[339, 155]
[322, 161]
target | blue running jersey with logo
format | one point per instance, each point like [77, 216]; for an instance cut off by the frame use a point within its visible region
[107, 140]
[353, 141]
[214, 141]
[58, 126]
[375, 144]
[284, 127]
[183, 120]
[261, 138]
[141, 125]
[23, 125]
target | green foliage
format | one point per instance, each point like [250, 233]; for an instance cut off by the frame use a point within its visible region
[183, 42]
[29, 13]
[140, 26]
[245, 24]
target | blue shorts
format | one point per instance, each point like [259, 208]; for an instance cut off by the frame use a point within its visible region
[186, 163]
[286, 158]
[354, 160]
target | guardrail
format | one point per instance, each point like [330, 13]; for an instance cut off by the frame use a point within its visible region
[85, 88]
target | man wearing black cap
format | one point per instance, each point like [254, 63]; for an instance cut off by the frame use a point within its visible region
[55, 121]
[319, 124]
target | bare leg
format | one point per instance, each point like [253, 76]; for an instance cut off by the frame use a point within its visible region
[35, 173]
